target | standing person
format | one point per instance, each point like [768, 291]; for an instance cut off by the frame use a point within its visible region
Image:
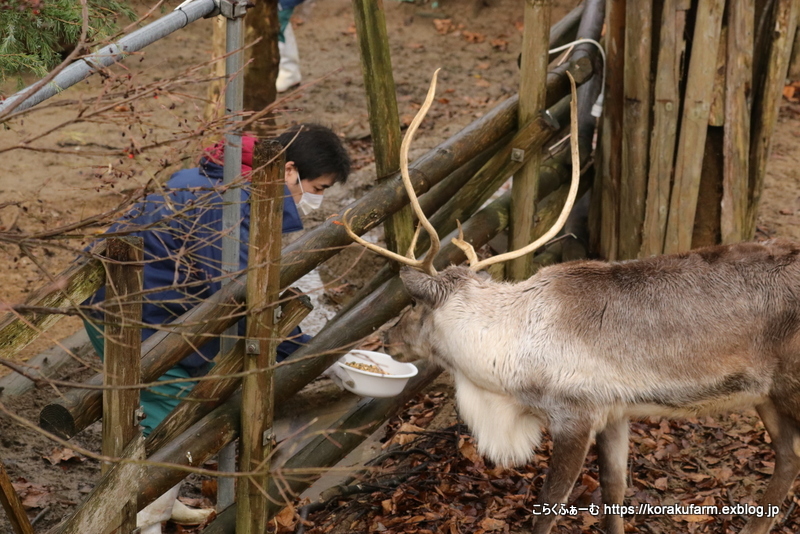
[181, 229]
[289, 68]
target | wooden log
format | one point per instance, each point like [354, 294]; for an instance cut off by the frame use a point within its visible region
[12, 504]
[716, 113]
[47, 363]
[100, 512]
[309, 463]
[635, 126]
[69, 288]
[218, 384]
[611, 136]
[121, 366]
[794, 62]
[666, 108]
[533, 91]
[694, 126]
[384, 121]
[736, 142]
[164, 349]
[767, 96]
[262, 336]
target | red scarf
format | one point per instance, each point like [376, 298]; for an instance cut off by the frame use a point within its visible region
[216, 153]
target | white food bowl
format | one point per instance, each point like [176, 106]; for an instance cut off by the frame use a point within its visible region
[367, 383]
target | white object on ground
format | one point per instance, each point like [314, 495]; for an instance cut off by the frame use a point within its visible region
[289, 68]
[367, 383]
[184, 515]
[150, 518]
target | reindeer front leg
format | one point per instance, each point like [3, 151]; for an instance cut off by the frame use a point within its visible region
[612, 451]
[570, 445]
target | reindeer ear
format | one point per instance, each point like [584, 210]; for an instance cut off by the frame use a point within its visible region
[423, 287]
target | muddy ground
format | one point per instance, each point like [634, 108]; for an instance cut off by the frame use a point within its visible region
[78, 170]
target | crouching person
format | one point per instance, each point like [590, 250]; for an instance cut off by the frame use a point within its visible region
[181, 230]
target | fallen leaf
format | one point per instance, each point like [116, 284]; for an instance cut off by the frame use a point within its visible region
[499, 44]
[490, 524]
[405, 434]
[661, 484]
[443, 26]
[473, 37]
[789, 92]
[480, 82]
[62, 455]
[286, 517]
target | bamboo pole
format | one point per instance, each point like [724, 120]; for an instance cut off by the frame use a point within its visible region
[694, 126]
[533, 91]
[73, 285]
[384, 121]
[261, 343]
[611, 136]
[210, 393]
[767, 98]
[635, 125]
[736, 142]
[12, 505]
[121, 367]
[666, 108]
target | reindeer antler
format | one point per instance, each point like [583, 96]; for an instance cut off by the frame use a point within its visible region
[468, 249]
[426, 263]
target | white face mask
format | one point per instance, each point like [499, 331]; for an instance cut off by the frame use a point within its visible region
[309, 201]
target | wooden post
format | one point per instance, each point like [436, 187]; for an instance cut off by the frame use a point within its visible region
[262, 338]
[208, 394]
[12, 505]
[694, 126]
[635, 125]
[736, 137]
[262, 58]
[384, 123]
[611, 134]
[666, 107]
[532, 91]
[767, 96]
[123, 348]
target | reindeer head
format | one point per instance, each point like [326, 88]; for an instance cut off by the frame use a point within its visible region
[428, 287]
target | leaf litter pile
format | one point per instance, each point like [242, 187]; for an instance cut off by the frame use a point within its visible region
[432, 480]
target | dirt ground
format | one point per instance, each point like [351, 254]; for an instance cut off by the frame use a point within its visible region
[42, 189]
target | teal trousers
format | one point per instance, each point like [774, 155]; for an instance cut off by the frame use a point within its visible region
[157, 401]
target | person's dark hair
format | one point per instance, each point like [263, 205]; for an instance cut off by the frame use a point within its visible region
[316, 150]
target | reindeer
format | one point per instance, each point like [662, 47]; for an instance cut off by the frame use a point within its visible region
[581, 347]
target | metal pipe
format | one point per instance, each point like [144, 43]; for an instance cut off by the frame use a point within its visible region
[232, 209]
[113, 53]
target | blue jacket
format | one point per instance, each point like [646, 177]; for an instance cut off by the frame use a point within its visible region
[182, 238]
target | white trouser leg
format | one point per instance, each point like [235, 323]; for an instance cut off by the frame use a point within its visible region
[158, 511]
[289, 69]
